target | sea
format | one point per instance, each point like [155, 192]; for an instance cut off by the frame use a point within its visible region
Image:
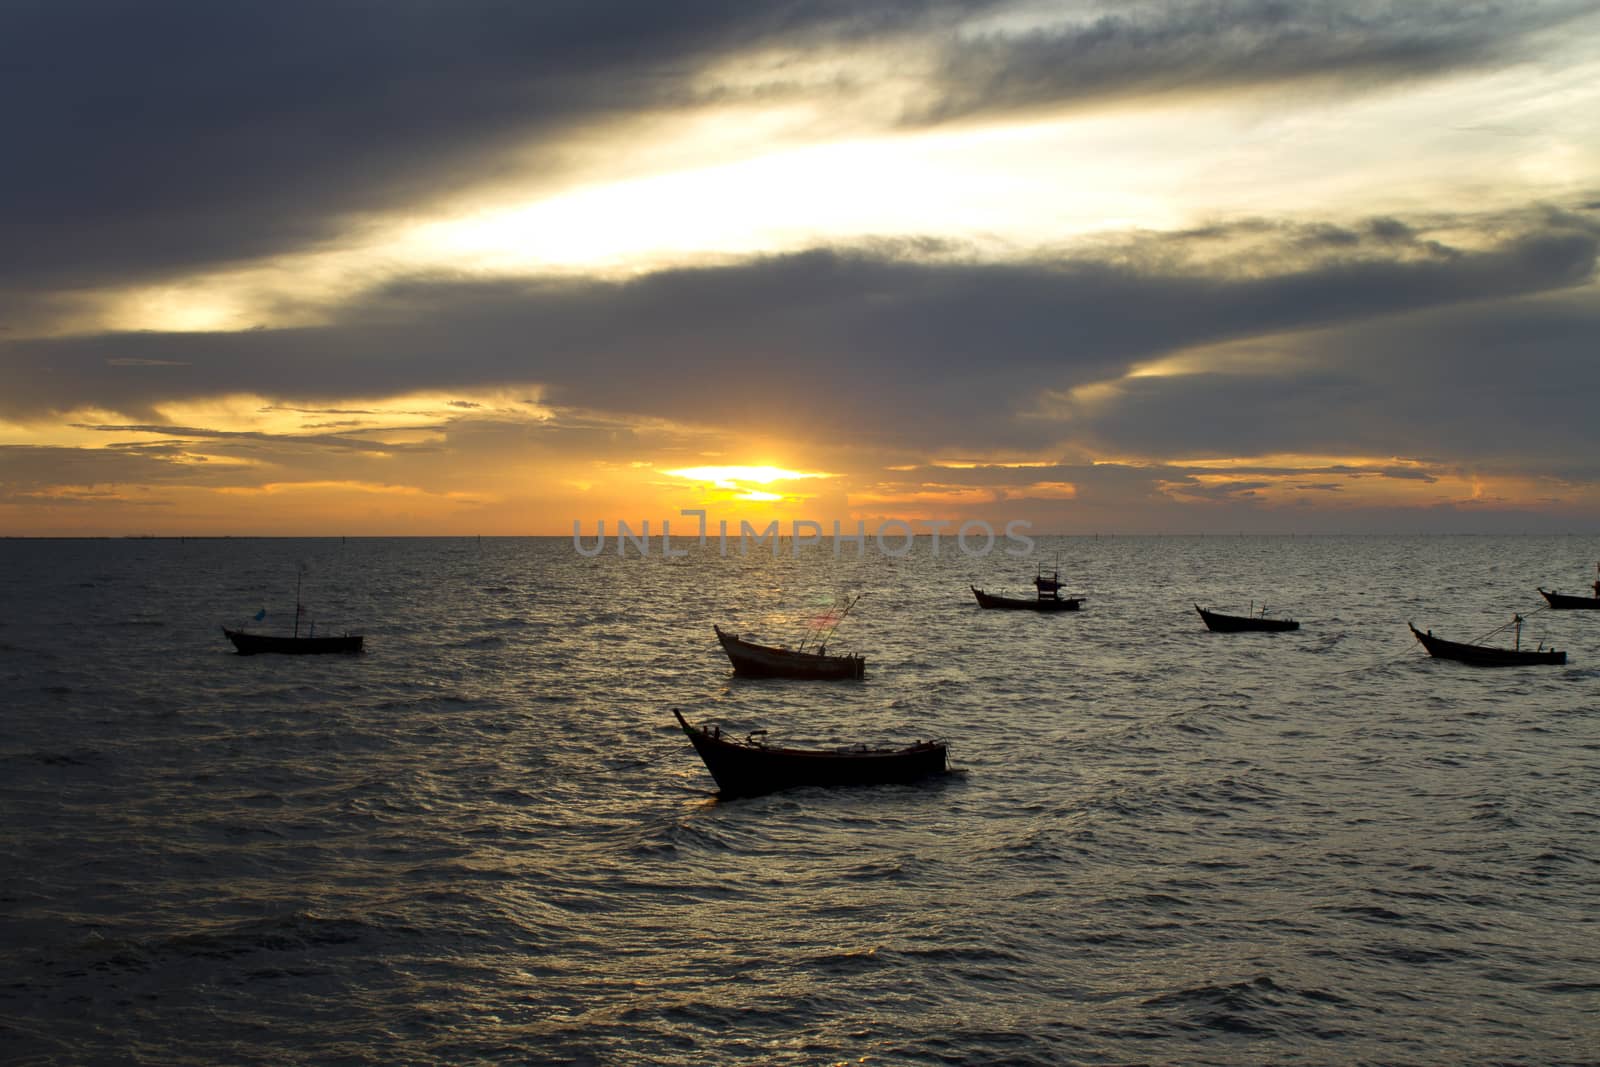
[486, 840]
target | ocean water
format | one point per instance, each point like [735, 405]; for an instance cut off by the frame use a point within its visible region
[485, 840]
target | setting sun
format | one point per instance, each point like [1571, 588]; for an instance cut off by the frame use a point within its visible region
[729, 477]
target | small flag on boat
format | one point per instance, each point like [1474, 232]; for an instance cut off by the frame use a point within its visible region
[261, 614]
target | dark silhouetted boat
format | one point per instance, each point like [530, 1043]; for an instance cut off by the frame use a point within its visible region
[752, 768]
[1487, 655]
[1228, 624]
[1048, 598]
[1568, 602]
[766, 661]
[1012, 603]
[250, 644]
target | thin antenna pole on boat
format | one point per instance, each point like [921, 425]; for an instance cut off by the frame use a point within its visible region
[299, 577]
[1517, 621]
[824, 642]
[814, 629]
[817, 629]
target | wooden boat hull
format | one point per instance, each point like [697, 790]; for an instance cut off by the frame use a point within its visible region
[1567, 602]
[764, 661]
[250, 644]
[1483, 655]
[1229, 624]
[1011, 603]
[747, 769]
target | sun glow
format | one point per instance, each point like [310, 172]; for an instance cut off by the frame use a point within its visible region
[992, 195]
[736, 485]
[728, 477]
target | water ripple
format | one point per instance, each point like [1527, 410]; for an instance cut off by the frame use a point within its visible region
[486, 840]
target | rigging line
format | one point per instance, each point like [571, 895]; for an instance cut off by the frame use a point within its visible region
[814, 628]
[840, 619]
[640, 761]
[1415, 650]
[1515, 619]
[1411, 653]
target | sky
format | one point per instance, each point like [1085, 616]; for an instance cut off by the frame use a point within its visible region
[325, 267]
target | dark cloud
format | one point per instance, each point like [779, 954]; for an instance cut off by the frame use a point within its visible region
[278, 440]
[32, 472]
[321, 411]
[1503, 387]
[1150, 48]
[143, 140]
[1390, 230]
[1159, 497]
[1485, 356]
[465, 453]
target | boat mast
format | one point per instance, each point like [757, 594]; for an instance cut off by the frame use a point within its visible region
[1052, 583]
[815, 629]
[1516, 620]
[298, 578]
[824, 642]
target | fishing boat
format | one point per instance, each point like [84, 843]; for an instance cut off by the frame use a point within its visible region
[752, 768]
[249, 644]
[767, 661]
[1568, 602]
[1229, 624]
[1048, 596]
[1480, 655]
